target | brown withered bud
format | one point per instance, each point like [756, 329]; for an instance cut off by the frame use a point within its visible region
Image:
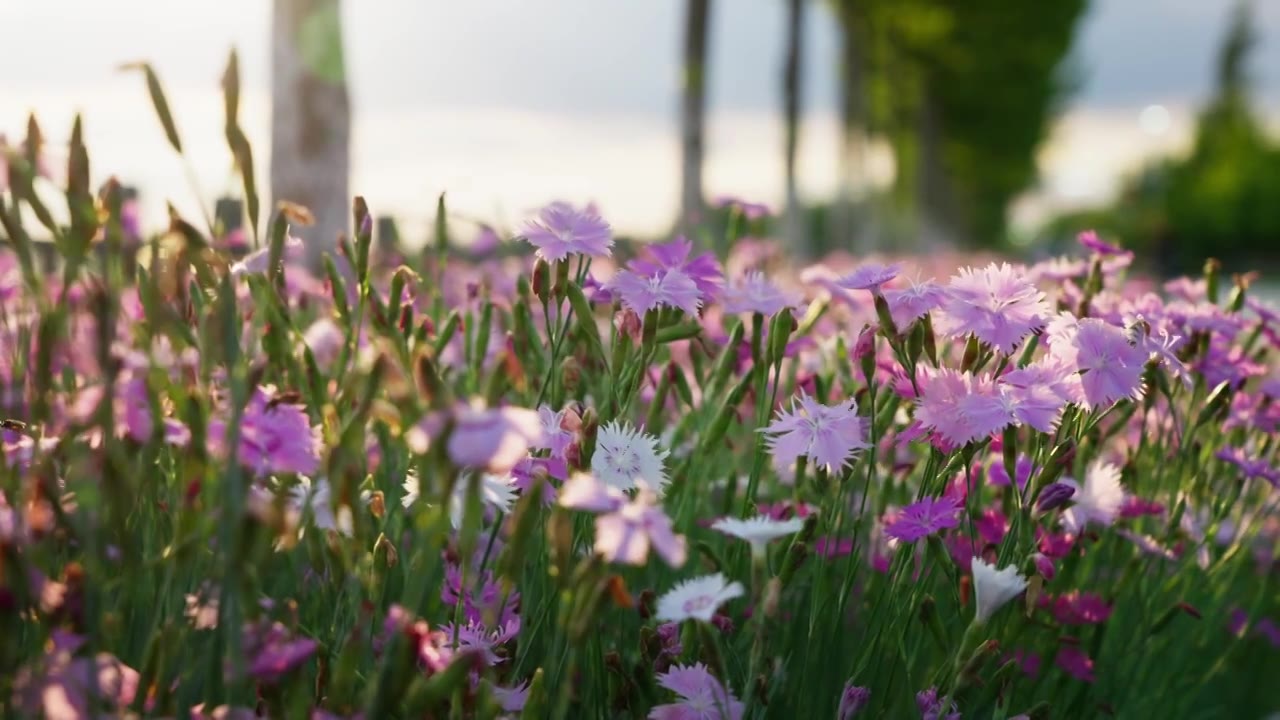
[378, 504]
[645, 604]
[617, 588]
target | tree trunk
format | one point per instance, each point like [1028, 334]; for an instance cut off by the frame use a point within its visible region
[938, 228]
[793, 218]
[693, 103]
[849, 226]
[311, 119]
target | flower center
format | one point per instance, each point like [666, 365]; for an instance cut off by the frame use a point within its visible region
[702, 602]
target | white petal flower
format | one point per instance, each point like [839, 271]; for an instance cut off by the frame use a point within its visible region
[498, 492]
[625, 457]
[759, 530]
[993, 588]
[1098, 501]
[697, 599]
[412, 488]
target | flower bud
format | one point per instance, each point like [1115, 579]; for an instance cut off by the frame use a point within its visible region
[542, 280]
[1044, 566]
[1054, 496]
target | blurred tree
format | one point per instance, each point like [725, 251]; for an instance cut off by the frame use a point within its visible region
[311, 118]
[1220, 200]
[693, 103]
[963, 96]
[793, 217]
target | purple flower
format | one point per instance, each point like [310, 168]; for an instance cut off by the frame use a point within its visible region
[1053, 496]
[923, 518]
[490, 439]
[930, 706]
[60, 685]
[995, 304]
[556, 437]
[561, 230]
[640, 293]
[703, 270]
[753, 293]
[1023, 469]
[257, 262]
[475, 637]
[829, 435]
[276, 436]
[1110, 366]
[625, 529]
[870, 276]
[1250, 467]
[273, 654]
[852, 700]
[701, 696]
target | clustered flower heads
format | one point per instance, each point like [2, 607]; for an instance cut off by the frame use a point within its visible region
[598, 480]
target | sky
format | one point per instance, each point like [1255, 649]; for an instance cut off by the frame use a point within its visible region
[507, 104]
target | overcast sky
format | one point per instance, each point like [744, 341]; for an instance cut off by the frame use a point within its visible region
[509, 103]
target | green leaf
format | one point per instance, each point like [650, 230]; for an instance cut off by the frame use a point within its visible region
[158, 101]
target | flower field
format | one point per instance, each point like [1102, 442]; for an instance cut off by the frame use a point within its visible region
[576, 480]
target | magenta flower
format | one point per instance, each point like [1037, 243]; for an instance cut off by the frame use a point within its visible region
[703, 269]
[996, 304]
[931, 706]
[753, 293]
[906, 305]
[701, 696]
[961, 408]
[560, 230]
[640, 293]
[490, 439]
[923, 518]
[1077, 608]
[852, 701]
[1089, 239]
[829, 435]
[870, 276]
[625, 529]
[276, 436]
[1110, 366]
[749, 210]
[1075, 662]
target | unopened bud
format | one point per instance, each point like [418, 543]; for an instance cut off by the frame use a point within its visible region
[1054, 496]
[385, 552]
[772, 595]
[542, 280]
[571, 374]
[378, 504]
[885, 317]
[1044, 566]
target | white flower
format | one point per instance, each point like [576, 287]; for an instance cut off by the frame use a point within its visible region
[257, 262]
[1098, 501]
[994, 588]
[412, 488]
[315, 496]
[697, 599]
[498, 492]
[625, 458]
[759, 530]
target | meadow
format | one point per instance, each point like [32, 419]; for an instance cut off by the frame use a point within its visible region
[545, 477]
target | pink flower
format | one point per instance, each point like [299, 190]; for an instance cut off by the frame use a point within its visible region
[276, 436]
[829, 435]
[870, 276]
[561, 230]
[1075, 662]
[642, 293]
[994, 304]
[923, 518]
[703, 269]
[60, 685]
[908, 304]
[489, 439]
[1110, 366]
[701, 696]
[625, 529]
[960, 407]
[753, 293]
